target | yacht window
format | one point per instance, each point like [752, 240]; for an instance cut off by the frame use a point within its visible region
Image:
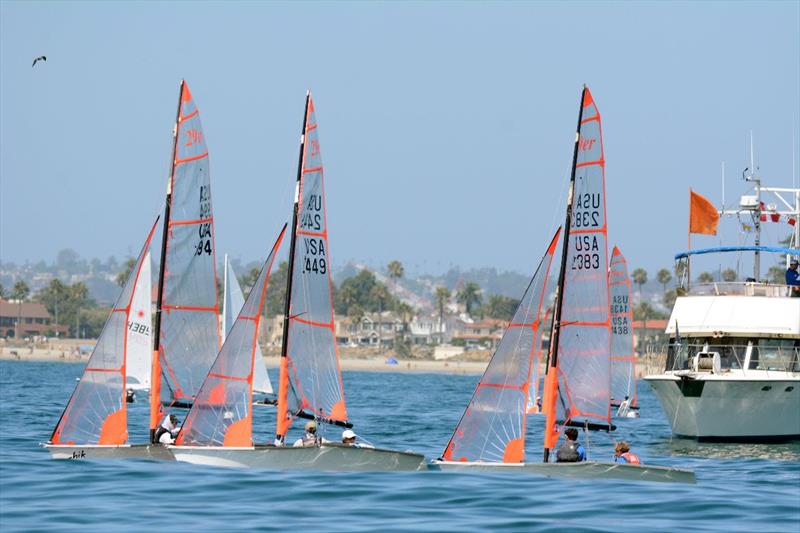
[776, 354]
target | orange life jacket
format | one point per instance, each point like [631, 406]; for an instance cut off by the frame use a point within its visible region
[631, 458]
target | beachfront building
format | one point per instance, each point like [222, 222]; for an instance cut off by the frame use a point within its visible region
[484, 333]
[371, 329]
[26, 319]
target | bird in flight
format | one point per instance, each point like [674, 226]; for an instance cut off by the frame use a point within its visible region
[36, 60]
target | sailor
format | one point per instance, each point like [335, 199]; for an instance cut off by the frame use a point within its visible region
[622, 454]
[349, 439]
[793, 277]
[130, 396]
[570, 451]
[624, 410]
[168, 430]
[310, 437]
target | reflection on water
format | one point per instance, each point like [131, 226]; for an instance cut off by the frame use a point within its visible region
[789, 451]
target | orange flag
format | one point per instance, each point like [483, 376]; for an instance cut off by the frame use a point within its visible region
[703, 216]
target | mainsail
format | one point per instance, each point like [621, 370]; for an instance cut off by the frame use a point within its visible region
[623, 358]
[187, 322]
[584, 377]
[232, 303]
[311, 379]
[222, 411]
[493, 426]
[97, 411]
[140, 331]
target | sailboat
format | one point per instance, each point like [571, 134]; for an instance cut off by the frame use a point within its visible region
[623, 357]
[310, 385]
[94, 423]
[140, 324]
[186, 332]
[232, 303]
[491, 433]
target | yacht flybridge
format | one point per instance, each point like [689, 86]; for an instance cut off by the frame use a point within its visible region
[732, 362]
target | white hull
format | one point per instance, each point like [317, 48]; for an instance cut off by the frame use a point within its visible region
[331, 457]
[97, 451]
[586, 469]
[729, 407]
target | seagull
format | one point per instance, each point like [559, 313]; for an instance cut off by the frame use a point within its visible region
[40, 58]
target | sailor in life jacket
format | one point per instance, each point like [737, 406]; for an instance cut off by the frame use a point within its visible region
[622, 454]
[310, 437]
[168, 430]
[570, 451]
[349, 439]
[625, 411]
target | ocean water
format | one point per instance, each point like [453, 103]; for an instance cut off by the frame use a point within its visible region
[739, 487]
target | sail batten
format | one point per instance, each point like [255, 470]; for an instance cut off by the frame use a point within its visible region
[222, 412]
[97, 410]
[493, 426]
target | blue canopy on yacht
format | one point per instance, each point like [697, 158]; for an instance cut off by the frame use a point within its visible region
[721, 249]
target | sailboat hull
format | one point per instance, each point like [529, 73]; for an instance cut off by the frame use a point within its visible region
[330, 457]
[585, 469]
[128, 451]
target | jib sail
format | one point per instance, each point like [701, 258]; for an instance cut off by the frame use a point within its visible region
[623, 358]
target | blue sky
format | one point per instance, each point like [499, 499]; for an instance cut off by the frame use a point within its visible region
[445, 128]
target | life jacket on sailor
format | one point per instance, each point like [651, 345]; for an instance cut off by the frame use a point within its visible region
[165, 432]
[631, 458]
[568, 452]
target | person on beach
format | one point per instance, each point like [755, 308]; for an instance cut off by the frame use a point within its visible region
[570, 451]
[168, 430]
[349, 439]
[622, 454]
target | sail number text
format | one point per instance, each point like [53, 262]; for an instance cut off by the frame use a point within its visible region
[204, 229]
[586, 212]
[587, 253]
[619, 315]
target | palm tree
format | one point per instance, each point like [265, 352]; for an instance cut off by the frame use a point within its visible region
[2, 291]
[20, 292]
[643, 310]
[663, 276]
[123, 274]
[640, 278]
[729, 274]
[396, 271]
[442, 297]
[469, 295]
[705, 277]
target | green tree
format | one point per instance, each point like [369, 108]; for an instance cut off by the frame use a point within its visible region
[276, 290]
[663, 276]
[20, 292]
[777, 275]
[65, 302]
[396, 271]
[729, 275]
[442, 296]
[380, 294]
[123, 274]
[705, 277]
[469, 296]
[642, 312]
[669, 298]
[639, 278]
[2, 291]
[358, 290]
[500, 307]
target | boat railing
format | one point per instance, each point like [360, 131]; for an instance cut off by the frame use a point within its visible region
[720, 358]
[739, 288]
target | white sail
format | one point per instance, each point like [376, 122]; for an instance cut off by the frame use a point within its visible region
[140, 331]
[232, 303]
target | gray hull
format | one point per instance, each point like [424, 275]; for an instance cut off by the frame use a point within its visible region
[133, 451]
[586, 469]
[331, 457]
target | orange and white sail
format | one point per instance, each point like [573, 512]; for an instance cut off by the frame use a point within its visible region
[584, 375]
[492, 428]
[535, 396]
[189, 327]
[623, 357]
[97, 410]
[140, 331]
[311, 378]
[222, 411]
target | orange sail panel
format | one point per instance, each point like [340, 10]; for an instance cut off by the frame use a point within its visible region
[97, 411]
[315, 379]
[190, 337]
[623, 358]
[584, 338]
[492, 428]
[222, 412]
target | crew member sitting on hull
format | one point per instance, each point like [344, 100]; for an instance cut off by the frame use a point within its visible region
[622, 454]
[310, 437]
[793, 278]
[570, 451]
[349, 439]
[168, 430]
[625, 411]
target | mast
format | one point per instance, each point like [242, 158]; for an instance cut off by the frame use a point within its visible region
[155, 378]
[552, 363]
[283, 383]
